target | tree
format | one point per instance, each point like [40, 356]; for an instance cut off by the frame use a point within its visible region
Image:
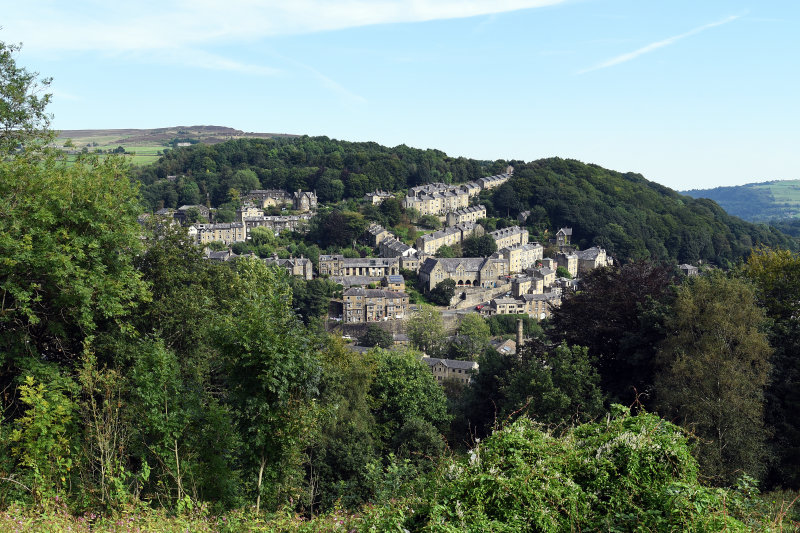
[72, 234]
[562, 272]
[375, 335]
[453, 250]
[443, 292]
[426, 329]
[407, 401]
[775, 275]
[554, 385]
[478, 246]
[618, 314]
[270, 374]
[714, 364]
[23, 103]
[472, 337]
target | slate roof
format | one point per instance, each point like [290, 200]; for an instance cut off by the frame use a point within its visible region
[451, 363]
[589, 253]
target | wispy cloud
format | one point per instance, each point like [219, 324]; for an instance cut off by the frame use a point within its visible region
[623, 58]
[152, 25]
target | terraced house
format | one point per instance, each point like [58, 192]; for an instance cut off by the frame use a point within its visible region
[371, 305]
[375, 267]
[429, 243]
[511, 236]
[228, 233]
[466, 214]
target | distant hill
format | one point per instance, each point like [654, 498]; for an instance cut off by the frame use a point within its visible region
[756, 202]
[625, 213]
[162, 136]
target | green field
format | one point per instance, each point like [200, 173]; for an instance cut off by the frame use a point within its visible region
[756, 202]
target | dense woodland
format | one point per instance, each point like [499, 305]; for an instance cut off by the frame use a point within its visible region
[140, 380]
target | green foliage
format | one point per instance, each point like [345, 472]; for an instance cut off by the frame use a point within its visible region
[430, 222]
[335, 169]
[472, 337]
[42, 438]
[619, 315]
[629, 216]
[452, 250]
[507, 325]
[23, 119]
[443, 292]
[375, 335]
[714, 365]
[337, 228]
[775, 275]
[410, 408]
[623, 474]
[271, 375]
[67, 239]
[562, 272]
[425, 328]
[478, 246]
[554, 385]
[311, 298]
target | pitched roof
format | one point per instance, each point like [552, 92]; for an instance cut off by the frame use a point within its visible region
[451, 363]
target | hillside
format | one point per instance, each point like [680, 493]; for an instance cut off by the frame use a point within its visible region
[146, 145]
[756, 202]
[628, 215]
[625, 213]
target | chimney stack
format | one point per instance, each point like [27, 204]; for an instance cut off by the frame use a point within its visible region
[520, 340]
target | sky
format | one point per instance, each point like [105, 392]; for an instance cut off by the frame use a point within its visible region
[691, 94]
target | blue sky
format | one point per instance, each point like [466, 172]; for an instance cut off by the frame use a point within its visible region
[690, 94]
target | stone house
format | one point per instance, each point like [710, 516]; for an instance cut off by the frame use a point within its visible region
[591, 258]
[391, 247]
[465, 271]
[248, 211]
[568, 261]
[492, 182]
[521, 256]
[431, 242]
[563, 236]
[377, 197]
[304, 201]
[394, 283]
[295, 266]
[689, 270]
[461, 371]
[371, 305]
[376, 234]
[511, 236]
[376, 267]
[279, 223]
[181, 214]
[467, 214]
[227, 233]
[264, 198]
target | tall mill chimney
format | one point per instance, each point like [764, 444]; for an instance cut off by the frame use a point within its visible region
[520, 340]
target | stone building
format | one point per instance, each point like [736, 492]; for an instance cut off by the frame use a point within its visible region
[431, 242]
[304, 201]
[228, 233]
[295, 266]
[371, 305]
[521, 256]
[376, 267]
[467, 214]
[511, 236]
[465, 271]
[461, 371]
